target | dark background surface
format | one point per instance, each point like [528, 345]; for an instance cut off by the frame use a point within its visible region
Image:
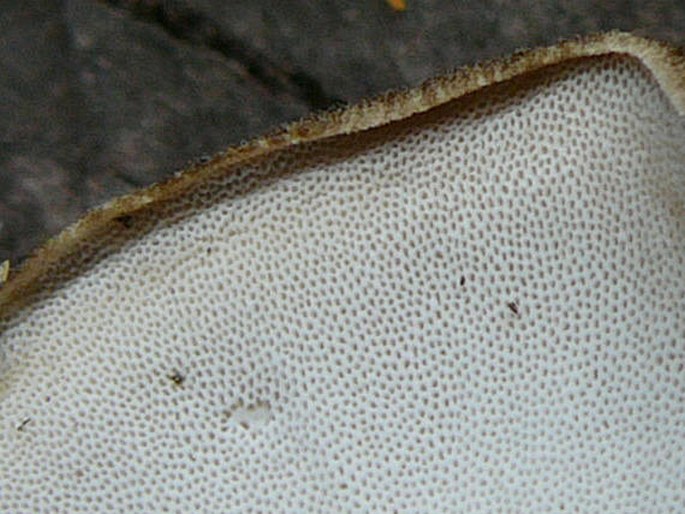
[100, 97]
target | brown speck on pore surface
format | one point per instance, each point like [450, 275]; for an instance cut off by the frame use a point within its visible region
[22, 425]
[328, 341]
[513, 307]
[177, 378]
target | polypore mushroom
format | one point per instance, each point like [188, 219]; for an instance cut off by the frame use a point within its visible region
[468, 297]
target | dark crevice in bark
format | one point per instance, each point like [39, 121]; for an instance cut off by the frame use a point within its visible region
[128, 180]
[188, 25]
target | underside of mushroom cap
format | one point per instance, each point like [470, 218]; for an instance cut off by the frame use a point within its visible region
[465, 297]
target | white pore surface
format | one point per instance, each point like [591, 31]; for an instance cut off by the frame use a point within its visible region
[341, 335]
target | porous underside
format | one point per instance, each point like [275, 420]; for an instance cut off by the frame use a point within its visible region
[480, 309]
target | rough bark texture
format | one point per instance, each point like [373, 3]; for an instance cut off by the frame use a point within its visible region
[100, 97]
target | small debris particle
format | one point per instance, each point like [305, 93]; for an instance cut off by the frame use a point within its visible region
[177, 378]
[125, 220]
[462, 280]
[252, 416]
[203, 159]
[397, 5]
[513, 307]
[4, 272]
[22, 425]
